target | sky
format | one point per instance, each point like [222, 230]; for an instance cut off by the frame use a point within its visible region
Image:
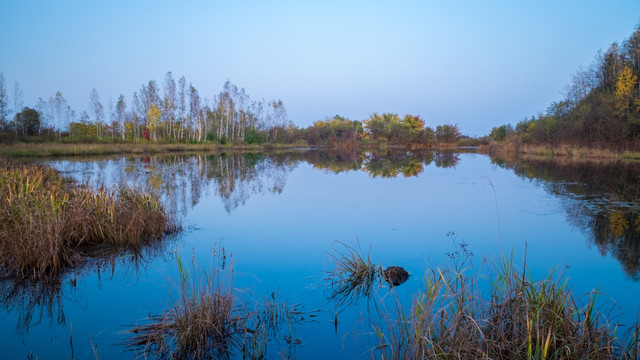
[478, 64]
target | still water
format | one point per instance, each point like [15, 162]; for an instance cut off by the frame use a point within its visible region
[279, 215]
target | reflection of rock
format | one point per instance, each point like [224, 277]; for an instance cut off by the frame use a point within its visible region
[396, 275]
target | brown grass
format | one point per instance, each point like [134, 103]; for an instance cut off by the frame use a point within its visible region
[49, 224]
[513, 317]
[207, 320]
[520, 319]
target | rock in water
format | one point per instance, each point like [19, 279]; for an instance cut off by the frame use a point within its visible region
[396, 275]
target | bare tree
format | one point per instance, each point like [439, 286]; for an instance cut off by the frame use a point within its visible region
[121, 114]
[194, 111]
[582, 82]
[111, 112]
[59, 111]
[17, 98]
[98, 111]
[137, 115]
[46, 114]
[169, 105]
[4, 103]
[182, 108]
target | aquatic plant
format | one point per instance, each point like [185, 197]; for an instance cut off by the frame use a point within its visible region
[49, 224]
[208, 320]
[521, 319]
[353, 276]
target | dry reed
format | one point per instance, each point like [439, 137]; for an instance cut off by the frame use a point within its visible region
[49, 224]
[207, 320]
[522, 319]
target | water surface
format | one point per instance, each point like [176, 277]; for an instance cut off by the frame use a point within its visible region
[280, 214]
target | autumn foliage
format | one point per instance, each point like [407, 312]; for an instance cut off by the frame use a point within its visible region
[601, 108]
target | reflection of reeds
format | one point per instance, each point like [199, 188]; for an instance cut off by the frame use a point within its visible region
[353, 275]
[522, 319]
[48, 224]
[201, 321]
[207, 319]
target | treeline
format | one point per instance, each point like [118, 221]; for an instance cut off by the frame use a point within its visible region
[177, 112]
[380, 129]
[601, 107]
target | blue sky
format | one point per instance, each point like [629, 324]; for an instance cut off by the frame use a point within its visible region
[475, 63]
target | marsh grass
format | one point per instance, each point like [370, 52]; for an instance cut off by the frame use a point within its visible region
[518, 318]
[53, 149]
[49, 224]
[500, 313]
[354, 275]
[207, 319]
[200, 322]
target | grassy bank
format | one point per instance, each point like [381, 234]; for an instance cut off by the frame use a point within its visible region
[49, 224]
[74, 149]
[53, 149]
[511, 149]
[513, 317]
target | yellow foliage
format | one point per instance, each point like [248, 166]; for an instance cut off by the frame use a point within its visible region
[154, 117]
[624, 87]
[618, 224]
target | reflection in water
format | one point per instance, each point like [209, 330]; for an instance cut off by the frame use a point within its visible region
[389, 164]
[34, 301]
[395, 275]
[181, 180]
[602, 198]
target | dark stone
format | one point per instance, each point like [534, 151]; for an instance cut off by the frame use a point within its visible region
[395, 275]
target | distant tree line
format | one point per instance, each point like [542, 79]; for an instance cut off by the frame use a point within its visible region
[177, 112]
[601, 107]
[386, 128]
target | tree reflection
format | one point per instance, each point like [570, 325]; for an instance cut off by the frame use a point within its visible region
[601, 197]
[182, 180]
[35, 301]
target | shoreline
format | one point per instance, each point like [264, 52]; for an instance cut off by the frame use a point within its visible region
[559, 151]
[54, 149]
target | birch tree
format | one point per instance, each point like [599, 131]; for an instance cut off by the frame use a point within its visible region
[194, 112]
[98, 111]
[4, 103]
[182, 107]
[121, 109]
[169, 105]
[17, 98]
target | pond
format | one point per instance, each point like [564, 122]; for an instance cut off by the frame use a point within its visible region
[278, 216]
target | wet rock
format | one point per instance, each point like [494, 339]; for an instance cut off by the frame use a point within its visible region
[395, 275]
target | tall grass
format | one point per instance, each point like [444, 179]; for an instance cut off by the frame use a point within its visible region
[353, 276]
[51, 149]
[49, 224]
[512, 316]
[207, 320]
[519, 318]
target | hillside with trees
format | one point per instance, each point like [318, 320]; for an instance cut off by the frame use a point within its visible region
[600, 109]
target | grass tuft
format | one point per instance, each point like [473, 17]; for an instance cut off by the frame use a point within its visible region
[353, 276]
[521, 318]
[49, 224]
[207, 320]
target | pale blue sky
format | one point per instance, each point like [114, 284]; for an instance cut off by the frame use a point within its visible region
[475, 63]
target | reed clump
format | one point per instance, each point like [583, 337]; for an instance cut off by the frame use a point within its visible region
[208, 320]
[201, 322]
[518, 318]
[353, 276]
[49, 224]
